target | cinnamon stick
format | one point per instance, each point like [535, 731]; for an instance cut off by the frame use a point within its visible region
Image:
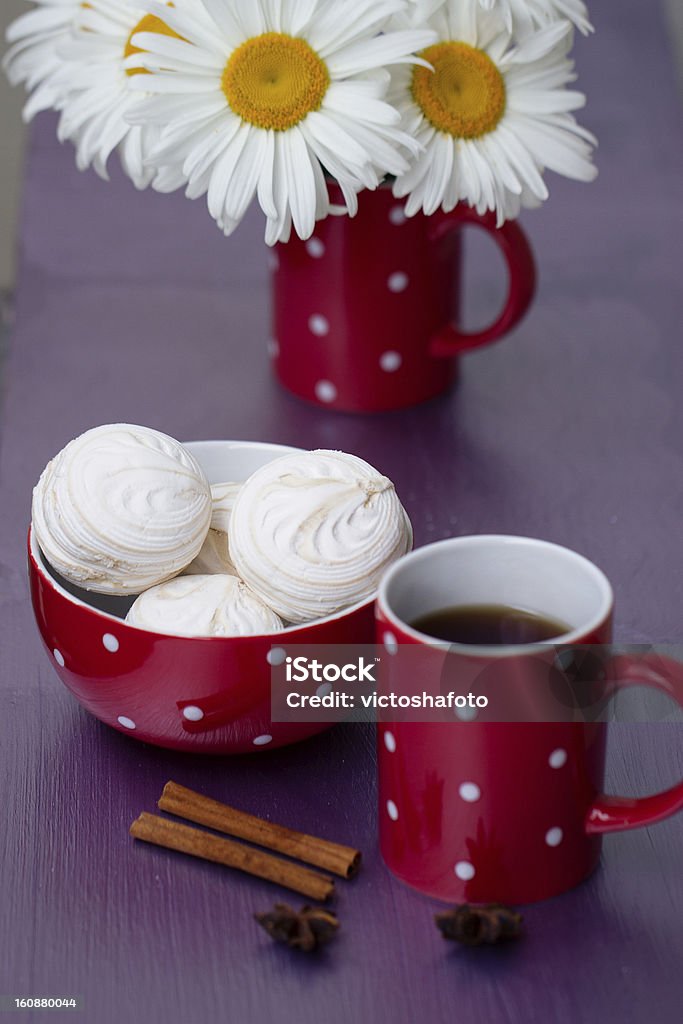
[151, 828]
[185, 803]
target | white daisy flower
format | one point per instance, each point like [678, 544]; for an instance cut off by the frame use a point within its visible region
[97, 90]
[523, 16]
[492, 116]
[33, 57]
[261, 98]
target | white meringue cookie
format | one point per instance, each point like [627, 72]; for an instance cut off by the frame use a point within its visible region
[121, 508]
[223, 497]
[313, 532]
[214, 558]
[215, 554]
[203, 606]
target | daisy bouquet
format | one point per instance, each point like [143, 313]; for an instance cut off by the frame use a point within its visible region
[447, 101]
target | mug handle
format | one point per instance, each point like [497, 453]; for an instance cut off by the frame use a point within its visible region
[516, 249]
[616, 813]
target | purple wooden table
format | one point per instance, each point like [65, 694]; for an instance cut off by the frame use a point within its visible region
[133, 307]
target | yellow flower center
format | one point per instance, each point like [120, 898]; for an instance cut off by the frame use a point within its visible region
[273, 81]
[150, 23]
[465, 95]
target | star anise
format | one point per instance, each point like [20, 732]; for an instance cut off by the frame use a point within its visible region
[307, 929]
[476, 925]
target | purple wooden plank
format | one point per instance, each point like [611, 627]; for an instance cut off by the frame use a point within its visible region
[135, 308]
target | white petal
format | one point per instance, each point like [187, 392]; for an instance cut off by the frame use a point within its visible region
[225, 20]
[272, 12]
[462, 23]
[278, 228]
[497, 158]
[322, 196]
[251, 18]
[181, 110]
[301, 188]
[521, 162]
[242, 185]
[157, 45]
[332, 135]
[155, 64]
[171, 83]
[222, 172]
[132, 157]
[345, 101]
[168, 179]
[36, 21]
[549, 101]
[382, 152]
[296, 14]
[556, 149]
[265, 183]
[334, 27]
[386, 49]
[200, 186]
[541, 43]
[210, 145]
[439, 175]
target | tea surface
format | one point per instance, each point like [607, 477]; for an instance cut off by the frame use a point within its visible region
[490, 624]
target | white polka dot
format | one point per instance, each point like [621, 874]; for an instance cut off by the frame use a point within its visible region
[315, 248]
[464, 870]
[324, 690]
[319, 325]
[558, 758]
[392, 810]
[466, 714]
[273, 348]
[553, 836]
[110, 642]
[469, 792]
[325, 391]
[390, 361]
[59, 657]
[127, 723]
[261, 741]
[276, 656]
[397, 215]
[390, 741]
[390, 643]
[193, 713]
[273, 261]
[398, 282]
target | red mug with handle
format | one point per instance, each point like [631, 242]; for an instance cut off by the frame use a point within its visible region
[366, 312]
[478, 811]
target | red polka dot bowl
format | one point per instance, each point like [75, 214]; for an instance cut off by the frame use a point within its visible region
[205, 694]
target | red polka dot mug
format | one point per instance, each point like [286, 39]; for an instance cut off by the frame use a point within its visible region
[365, 311]
[479, 811]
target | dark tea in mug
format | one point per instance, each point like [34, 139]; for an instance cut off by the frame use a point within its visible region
[489, 625]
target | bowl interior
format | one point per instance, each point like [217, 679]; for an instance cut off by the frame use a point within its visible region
[222, 461]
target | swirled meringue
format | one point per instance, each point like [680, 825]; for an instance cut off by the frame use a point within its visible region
[121, 508]
[223, 498]
[215, 554]
[203, 606]
[214, 557]
[313, 532]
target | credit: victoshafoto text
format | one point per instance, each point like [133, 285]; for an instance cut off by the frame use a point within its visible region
[303, 670]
